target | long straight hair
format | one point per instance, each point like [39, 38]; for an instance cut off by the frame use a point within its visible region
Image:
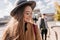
[17, 23]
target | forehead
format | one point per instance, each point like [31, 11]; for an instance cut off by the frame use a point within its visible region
[28, 8]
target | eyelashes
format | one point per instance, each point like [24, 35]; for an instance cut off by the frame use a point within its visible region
[28, 13]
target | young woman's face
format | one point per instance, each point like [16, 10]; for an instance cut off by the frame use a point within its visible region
[27, 13]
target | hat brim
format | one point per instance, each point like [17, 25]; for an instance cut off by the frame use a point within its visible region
[32, 3]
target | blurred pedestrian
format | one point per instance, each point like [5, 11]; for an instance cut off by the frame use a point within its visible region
[43, 26]
[21, 26]
[35, 19]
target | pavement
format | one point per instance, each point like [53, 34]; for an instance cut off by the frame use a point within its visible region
[54, 33]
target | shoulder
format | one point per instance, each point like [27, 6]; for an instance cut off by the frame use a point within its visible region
[10, 27]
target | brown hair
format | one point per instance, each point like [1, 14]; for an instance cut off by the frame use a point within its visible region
[17, 23]
[44, 14]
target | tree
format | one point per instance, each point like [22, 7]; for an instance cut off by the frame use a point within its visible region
[57, 15]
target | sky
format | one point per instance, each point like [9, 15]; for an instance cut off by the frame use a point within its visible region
[45, 6]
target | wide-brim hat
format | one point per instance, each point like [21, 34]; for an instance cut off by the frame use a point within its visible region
[21, 3]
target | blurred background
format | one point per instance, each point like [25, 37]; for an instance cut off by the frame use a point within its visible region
[49, 7]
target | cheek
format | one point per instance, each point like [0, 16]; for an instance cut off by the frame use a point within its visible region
[25, 17]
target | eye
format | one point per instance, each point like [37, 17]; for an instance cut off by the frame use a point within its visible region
[27, 13]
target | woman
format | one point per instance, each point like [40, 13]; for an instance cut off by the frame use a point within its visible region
[22, 26]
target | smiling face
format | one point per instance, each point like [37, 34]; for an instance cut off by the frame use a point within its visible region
[27, 13]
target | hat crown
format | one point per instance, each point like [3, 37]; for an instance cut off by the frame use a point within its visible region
[20, 1]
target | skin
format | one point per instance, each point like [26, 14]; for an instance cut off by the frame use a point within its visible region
[43, 16]
[28, 14]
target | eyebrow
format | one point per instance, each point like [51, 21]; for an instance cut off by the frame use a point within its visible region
[27, 11]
